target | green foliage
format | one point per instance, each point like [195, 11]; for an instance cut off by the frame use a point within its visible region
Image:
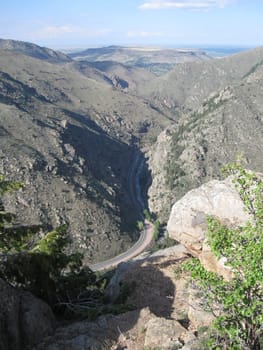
[253, 69]
[140, 225]
[12, 238]
[8, 186]
[147, 215]
[156, 230]
[163, 243]
[237, 303]
[41, 265]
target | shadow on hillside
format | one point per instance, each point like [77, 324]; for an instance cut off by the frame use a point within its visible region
[106, 161]
[106, 165]
[152, 295]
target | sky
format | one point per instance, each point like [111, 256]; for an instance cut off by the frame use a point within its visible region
[168, 23]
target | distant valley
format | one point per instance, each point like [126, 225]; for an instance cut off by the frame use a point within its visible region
[71, 124]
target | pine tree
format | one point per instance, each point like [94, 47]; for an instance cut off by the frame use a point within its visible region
[38, 262]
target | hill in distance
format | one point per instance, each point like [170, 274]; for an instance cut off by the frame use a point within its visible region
[32, 50]
[157, 60]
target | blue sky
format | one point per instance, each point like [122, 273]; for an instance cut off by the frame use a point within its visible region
[84, 23]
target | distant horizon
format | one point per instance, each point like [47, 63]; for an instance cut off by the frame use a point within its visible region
[156, 45]
[86, 23]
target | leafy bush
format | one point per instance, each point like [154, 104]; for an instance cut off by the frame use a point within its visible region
[39, 262]
[238, 303]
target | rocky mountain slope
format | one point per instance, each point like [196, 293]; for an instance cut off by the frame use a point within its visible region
[186, 86]
[70, 131]
[167, 306]
[115, 74]
[32, 50]
[71, 139]
[212, 131]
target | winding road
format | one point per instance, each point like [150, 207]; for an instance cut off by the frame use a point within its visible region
[146, 236]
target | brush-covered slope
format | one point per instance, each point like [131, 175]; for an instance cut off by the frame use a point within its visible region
[186, 86]
[69, 138]
[33, 50]
[116, 74]
[228, 124]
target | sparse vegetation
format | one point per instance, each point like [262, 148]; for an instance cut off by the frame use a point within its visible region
[163, 243]
[253, 69]
[42, 264]
[156, 231]
[238, 303]
[147, 215]
[140, 225]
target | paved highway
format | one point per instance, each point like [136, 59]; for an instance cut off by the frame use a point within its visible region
[137, 202]
[136, 249]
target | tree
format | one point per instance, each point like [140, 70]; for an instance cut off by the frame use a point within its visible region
[156, 230]
[39, 262]
[238, 303]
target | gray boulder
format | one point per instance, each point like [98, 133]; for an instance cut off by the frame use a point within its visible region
[24, 319]
[187, 222]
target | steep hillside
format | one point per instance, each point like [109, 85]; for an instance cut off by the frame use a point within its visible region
[70, 131]
[71, 139]
[227, 125]
[32, 50]
[186, 86]
[116, 74]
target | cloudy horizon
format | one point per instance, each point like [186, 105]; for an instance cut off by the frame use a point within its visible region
[61, 23]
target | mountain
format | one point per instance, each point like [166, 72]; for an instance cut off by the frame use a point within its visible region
[33, 50]
[72, 140]
[76, 133]
[73, 130]
[157, 60]
[115, 74]
[186, 86]
[222, 120]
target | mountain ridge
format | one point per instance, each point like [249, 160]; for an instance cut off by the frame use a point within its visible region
[34, 50]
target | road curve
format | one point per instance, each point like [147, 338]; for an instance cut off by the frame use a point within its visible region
[136, 249]
[137, 202]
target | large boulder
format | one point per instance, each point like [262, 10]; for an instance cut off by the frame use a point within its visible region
[163, 332]
[24, 319]
[187, 222]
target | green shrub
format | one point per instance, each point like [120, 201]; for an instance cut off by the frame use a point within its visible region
[239, 302]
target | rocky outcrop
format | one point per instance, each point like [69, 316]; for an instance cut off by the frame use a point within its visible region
[160, 197]
[165, 332]
[162, 315]
[217, 119]
[24, 319]
[187, 222]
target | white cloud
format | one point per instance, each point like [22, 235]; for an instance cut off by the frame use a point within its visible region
[54, 32]
[184, 4]
[143, 34]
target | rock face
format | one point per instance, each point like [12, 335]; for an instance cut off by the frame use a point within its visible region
[162, 315]
[24, 319]
[66, 136]
[165, 332]
[218, 110]
[187, 222]
[160, 196]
